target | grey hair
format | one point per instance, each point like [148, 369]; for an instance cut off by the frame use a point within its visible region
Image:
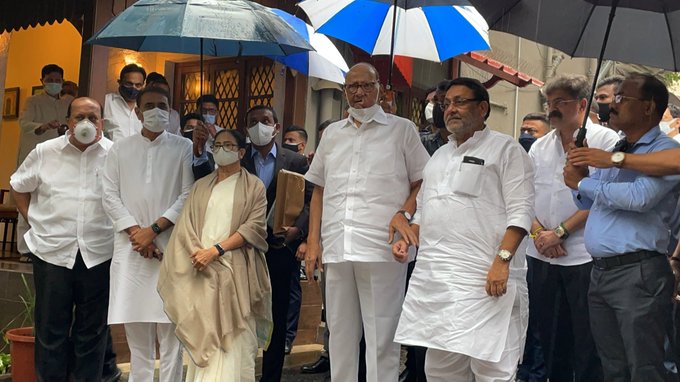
[576, 85]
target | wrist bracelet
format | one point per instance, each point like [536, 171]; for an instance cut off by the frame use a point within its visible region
[534, 234]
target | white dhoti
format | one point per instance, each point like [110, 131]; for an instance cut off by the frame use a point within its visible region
[141, 338]
[444, 366]
[364, 296]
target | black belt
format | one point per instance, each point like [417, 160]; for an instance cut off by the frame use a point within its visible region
[625, 259]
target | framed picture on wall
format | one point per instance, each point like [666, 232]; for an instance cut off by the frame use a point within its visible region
[10, 104]
[37, 90]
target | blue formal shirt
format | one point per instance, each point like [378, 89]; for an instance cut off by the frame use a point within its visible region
[266, 166]
[630, 211]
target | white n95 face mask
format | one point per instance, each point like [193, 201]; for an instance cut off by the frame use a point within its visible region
[85, 132]
[225, 157]
[261, 134]
[156, 120]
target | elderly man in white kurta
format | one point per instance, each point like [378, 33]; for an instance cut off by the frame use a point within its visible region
[367, 172]
[146, 181]
[467, 299]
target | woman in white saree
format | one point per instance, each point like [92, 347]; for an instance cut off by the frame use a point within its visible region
[214, 280]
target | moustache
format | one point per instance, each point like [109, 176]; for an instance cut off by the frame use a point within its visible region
[555, 114]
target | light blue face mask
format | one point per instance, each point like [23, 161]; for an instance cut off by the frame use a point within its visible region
[52, 88]
[209, 118]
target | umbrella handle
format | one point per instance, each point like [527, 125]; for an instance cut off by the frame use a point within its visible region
[582, 131]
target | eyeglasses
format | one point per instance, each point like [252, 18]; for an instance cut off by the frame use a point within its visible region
[209, 111]
[458, 102]
[620, 97]
[558, 103]
[226, 146]
[366, 87]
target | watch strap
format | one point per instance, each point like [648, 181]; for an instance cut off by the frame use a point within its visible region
[156, 228]
[405, 213]
[220, 250]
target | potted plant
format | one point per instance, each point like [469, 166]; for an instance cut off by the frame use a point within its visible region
[21, 338]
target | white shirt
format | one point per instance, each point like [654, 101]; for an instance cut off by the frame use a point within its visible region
[554, 201]
[119, 120]
[174, 125]
[66, 212]
[143, 180]
[39, 109]
[470, 195]
[366, 173]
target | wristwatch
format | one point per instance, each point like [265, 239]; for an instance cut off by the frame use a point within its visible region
[504, 254]
[156, 229]
[220, 250]
[561, 232]
[618, 158]
[406, 215]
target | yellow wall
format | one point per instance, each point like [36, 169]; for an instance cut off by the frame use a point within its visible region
[29, 51]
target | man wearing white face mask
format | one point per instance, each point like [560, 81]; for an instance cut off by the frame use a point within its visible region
[41, 119]
[58, 190]
[146, 181]
[367, 172]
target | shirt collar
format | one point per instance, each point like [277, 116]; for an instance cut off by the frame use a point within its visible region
[649, 136]
[476, 137]
[272, 153]
[380, 117]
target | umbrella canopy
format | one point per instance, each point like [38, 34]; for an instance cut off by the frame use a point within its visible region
[324, 62]
[642, 31]
[214, 27]
[433, 30]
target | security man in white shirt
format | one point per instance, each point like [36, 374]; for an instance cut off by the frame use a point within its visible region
[120, 118]
[58, 190]
[367, 171]
[559, 265]
[467, 297]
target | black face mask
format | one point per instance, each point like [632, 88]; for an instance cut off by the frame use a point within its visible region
[129, 93]
[526, 140]
[188, 134]
[603, 112]
[290, 147]
[438, 117]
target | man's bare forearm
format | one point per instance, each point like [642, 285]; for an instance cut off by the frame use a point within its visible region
[512, 238]
[22, 201]
[660, 163]
[315, 212]
[410, 203]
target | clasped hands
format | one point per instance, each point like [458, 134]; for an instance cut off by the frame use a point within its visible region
[142, 242]
[549, 245]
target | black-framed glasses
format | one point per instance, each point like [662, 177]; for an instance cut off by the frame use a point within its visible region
[458, 102]
[620, 97]
[365, 86]
[227, 146]
[558, 103]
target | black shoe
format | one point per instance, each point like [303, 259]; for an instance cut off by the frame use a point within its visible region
[322, 365]
[405, 376]
[288, 347]
[113, 377]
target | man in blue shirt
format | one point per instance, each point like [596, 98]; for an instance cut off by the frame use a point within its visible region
[627, 233]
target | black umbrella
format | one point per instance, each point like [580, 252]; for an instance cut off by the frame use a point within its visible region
[637, 31]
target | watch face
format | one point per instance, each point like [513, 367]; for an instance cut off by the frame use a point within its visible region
[504, 254]
[617, 157]
[559, 231]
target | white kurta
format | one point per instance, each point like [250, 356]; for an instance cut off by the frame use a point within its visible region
[143, 181]
[119, 120]
[40, 109]
[463, 211]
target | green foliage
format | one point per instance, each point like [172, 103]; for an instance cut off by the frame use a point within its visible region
[5, 363]
[671, 78]
[25, 317]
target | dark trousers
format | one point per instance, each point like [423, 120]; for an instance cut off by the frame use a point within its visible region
[532, 368]
[630, 315]
[294, 304]
[279, 262]
[559, 297]
[415, 355]
[70, 303]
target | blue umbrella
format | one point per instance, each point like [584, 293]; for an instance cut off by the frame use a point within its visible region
[324, 62]
[214, 27]
[433, 30]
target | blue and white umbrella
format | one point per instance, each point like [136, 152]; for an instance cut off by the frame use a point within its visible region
[433, 30]
[324, 62]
